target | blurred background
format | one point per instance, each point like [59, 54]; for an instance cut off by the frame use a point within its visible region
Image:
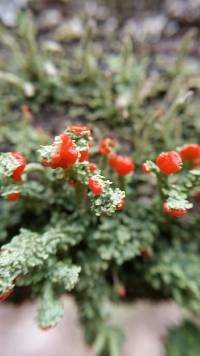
[158, 22]
[156, 26]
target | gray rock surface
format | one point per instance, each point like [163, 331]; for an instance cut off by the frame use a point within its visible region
[144, 323]
[187, 11]
[9, 9]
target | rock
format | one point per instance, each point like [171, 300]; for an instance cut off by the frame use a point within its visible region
[146, 29]
[50, 69]
[9, 10]
[49, 19]
[96, 11]
[187, 11]
[51, 46]
[144, 323]
[69, 30]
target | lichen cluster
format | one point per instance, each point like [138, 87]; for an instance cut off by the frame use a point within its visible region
[59, 236]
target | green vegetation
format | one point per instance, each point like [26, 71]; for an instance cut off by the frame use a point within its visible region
[183, 340]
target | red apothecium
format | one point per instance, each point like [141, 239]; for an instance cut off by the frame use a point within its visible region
[106, 146]
[95, 186]
[121, 164]
[190, 152]
[13, 196]
[21, 165]
[169, 162]
[174, 212]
